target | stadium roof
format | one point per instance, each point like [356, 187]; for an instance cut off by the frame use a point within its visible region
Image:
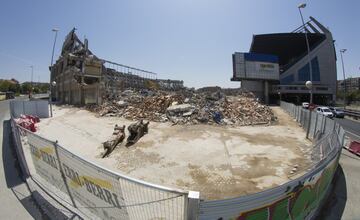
[289, 47]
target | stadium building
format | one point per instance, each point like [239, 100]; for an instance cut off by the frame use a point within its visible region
[277, 67]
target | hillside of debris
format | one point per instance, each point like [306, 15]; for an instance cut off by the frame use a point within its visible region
[208, 106]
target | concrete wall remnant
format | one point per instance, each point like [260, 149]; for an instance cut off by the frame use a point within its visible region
[83, 78]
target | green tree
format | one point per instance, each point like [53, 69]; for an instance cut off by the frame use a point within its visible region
[25, 88]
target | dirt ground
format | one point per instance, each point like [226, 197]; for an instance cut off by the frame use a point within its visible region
[220, 162]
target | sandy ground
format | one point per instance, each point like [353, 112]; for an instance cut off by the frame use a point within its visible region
[220, 162]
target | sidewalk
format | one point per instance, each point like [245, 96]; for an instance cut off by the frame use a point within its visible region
[343, 202]
[15, 196]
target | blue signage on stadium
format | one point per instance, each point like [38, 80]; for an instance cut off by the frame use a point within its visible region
[261, 57]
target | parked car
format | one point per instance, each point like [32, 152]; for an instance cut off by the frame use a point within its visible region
[10, 95]
[338, 113]
[305, 105]
[324, 111]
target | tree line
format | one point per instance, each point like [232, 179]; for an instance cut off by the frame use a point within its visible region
[24, 88]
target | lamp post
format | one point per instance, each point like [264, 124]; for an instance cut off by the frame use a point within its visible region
[32, 74]
[31, 81]
[343, 69]
[303, 5]
[51, 65]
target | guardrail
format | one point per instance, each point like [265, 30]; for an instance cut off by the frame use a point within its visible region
[353, 113]
[98, 193]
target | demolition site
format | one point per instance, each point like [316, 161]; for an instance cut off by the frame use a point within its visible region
[221, 142]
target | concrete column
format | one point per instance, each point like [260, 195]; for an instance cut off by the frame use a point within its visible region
[266, 91]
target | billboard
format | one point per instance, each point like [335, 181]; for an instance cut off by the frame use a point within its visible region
[45, 161]
[92, 188]
[252, 66]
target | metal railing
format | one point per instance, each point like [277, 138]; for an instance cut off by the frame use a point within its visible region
[130, 71]
[94, 192]
[299, 198]
[90, 190]
[352, 113]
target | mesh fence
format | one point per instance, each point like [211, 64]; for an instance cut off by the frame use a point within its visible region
[96, 192]
[314, 124]
[43, 165]
[109, 195]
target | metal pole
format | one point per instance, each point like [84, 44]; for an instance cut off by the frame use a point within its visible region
[63, 175]
[309, 59]
[343, 68]
[309, 125]
[51, 65]
[32, 74]
[31, 81]
[53, 49]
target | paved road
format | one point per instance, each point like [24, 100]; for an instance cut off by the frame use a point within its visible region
[16, 202]
[349, 125]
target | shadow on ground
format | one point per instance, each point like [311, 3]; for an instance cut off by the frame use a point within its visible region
[10, 164]
[13, 178]
[334, 207]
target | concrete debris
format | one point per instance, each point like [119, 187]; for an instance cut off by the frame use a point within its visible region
[179, 109]
[117, 137]
[210, 106]
[137, 130]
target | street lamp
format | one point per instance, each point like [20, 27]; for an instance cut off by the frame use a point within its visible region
[51, 66]
[343, 68]
[53, 49]
[303, 5]
[32, 74]
[31, 81]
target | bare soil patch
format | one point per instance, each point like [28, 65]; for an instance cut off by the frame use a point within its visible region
[219, 161]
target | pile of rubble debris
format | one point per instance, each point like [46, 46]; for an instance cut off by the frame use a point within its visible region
[28, 122]
[187, 107]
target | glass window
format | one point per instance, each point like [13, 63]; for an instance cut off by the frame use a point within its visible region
[287, 80]
[304, 72]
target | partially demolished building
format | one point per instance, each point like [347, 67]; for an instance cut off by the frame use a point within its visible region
[83, 78]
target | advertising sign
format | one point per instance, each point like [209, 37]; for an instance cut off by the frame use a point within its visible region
[93, 188]
[45, 161]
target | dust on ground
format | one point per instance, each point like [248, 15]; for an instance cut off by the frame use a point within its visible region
[219, 161]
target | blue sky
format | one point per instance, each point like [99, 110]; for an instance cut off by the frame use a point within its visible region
[190, 40]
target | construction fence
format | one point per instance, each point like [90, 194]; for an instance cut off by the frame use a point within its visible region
[94, 192]
[299, 198]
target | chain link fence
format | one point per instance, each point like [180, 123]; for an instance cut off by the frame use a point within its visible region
[92, 191]
[299, 198]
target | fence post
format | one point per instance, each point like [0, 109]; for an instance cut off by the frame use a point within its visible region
[324, 127]
[309, 125]
[193, 205]
[316, 121]
[63, 175]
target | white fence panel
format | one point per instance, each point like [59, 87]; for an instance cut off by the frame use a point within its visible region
[92, 188]
[109, 195]
[45, 161]
[36, 107]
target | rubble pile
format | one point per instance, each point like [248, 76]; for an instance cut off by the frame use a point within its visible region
[187, 107]
[28, 122]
